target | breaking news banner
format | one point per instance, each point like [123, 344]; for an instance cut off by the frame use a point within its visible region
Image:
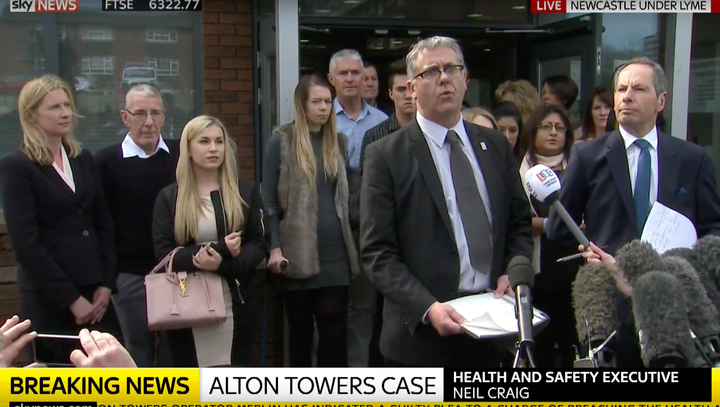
[353, 387]
[625, 6]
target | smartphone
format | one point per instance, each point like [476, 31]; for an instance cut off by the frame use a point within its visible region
[54, 350]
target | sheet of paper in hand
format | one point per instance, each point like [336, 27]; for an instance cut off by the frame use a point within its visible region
[490, 317]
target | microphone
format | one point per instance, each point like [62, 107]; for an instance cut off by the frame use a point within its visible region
[707, 250]
[634, 259]
[544, 185]
[661, 320]
[593, 295]
[283, 265]
[704, 271]
[702, 314]
[637, 258]
[522, 276]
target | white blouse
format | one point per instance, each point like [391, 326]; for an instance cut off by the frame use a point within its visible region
[66, 172]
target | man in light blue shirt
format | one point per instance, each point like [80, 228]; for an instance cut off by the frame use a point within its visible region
[353, 115]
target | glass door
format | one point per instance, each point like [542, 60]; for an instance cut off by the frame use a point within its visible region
[569, 47]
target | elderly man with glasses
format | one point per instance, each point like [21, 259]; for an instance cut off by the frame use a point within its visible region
[132, 173]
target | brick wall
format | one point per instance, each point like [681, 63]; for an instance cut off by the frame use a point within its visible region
[8, 289]
[228, 91]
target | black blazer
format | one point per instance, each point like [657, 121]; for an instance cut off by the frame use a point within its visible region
[63, 240]
[254, 248]
[596, 185]
[407, 244]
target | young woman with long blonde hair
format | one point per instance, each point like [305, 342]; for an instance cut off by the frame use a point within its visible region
[210, 204]
[57, 219]
[306, 192]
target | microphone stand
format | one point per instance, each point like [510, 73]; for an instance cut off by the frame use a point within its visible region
[524, 355]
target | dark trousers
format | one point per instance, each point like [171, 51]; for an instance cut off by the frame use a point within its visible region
[45, 318]
[467, 353]
[328, 307]
[376, 358]
[557, 304]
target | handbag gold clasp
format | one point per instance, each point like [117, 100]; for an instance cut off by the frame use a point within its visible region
[183, 288]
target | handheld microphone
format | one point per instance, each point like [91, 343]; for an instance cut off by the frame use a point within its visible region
[661, 320]
[283, 265]
[593, 295]
[702, 314]
[522, 276]
[544, 185]
[637, 258]
[634, 259]
[704, 271]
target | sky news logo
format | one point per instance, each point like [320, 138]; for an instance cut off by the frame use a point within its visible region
[44, 6]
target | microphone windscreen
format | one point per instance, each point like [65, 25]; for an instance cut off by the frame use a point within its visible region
[637, 258]
[708, 252]
[703, 271]
[593, 295]
[521, 272]
[702, 314]
[660, 313]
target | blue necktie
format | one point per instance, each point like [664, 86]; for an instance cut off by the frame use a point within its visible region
[642, 186]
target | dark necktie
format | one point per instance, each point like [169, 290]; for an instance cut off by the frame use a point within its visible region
[472, 209]
[642, 185]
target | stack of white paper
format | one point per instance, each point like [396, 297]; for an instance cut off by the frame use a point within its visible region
[491, 317]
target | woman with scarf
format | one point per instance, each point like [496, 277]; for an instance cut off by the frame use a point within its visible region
[547, 140]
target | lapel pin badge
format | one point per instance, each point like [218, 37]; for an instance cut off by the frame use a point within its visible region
[483, 146]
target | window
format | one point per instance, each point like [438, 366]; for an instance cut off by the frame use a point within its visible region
[152, 35]
[22, 60]
[95, 34]
[119, 54]
[98, 65]
[165, 66]
[704, 96]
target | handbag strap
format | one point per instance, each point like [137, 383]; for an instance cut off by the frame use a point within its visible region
[166, 262]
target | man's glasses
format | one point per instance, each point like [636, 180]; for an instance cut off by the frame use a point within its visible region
[548, 127]
[432, 75]
[143, 115]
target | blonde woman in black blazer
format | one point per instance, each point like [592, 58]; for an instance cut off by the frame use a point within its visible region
[209, 204]
[57, 219]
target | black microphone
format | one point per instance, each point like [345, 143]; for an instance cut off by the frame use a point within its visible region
[522, 276]
[637, 258]
[544, 185]
[702, 314]
[708, 251]
[283, 265]
[593, 295]
[705, 271]
[661, 320]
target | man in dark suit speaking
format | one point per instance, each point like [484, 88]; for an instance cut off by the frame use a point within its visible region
[442, 213]
[612, 181]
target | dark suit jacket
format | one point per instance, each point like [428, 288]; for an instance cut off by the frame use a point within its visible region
[596, 185]
[407, 244]
[62, 240]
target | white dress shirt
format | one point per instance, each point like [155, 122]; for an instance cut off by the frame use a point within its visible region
[66, 172]
[131, 149]
[633, 156]
[471, 280]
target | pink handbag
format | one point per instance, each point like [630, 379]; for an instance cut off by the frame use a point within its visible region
[180, 299]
